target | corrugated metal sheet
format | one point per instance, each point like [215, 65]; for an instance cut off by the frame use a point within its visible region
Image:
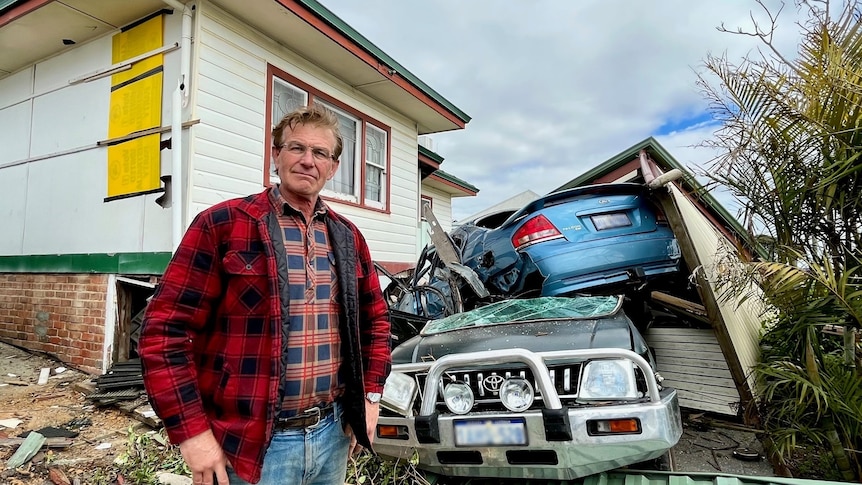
[620, 477]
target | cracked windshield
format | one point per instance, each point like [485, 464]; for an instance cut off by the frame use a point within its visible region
[509, 311]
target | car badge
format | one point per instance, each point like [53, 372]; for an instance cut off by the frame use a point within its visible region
[492, 383]
[603, 201]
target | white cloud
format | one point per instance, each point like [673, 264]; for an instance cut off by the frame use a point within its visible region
[556, 87]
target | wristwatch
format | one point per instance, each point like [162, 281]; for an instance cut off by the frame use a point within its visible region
[373, 397]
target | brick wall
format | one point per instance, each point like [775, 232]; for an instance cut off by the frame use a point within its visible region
[60, 314]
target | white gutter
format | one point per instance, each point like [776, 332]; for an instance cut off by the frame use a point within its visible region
[179, 100]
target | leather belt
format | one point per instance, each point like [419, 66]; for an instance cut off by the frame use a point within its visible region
[309, 418]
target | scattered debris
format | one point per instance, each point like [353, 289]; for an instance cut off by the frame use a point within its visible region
[57, 476]
[103, 446]
[746, 454]
[53, 432]
[124, 381]
[43, 376]
[49, 442]
[166, 478]
[31, 445]
[10, 423]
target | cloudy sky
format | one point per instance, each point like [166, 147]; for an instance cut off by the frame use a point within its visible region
[556, 87]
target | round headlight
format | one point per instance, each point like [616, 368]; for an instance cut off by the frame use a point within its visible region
[516, 394]
[458, 397]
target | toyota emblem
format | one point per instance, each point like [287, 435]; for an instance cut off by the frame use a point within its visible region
[492, 383]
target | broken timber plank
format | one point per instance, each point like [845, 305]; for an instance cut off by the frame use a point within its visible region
[58, 442]
[691, 308]
[141, 410]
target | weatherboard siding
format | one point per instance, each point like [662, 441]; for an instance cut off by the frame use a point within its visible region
[46, 200]
[691, 361]
[228, 146]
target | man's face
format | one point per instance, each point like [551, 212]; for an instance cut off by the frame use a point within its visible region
[304, 160]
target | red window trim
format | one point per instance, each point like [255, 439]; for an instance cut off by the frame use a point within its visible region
[313, 93]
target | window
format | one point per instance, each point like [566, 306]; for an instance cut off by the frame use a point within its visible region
[363, 172]
[375, 165]
[426, 202]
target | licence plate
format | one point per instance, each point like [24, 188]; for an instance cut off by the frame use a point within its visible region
[490, 432]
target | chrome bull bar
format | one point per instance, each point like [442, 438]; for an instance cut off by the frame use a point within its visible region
[535, 361]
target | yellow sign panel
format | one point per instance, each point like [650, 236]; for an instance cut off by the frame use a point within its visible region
[136, 105]
[138, 40]
[134, 166]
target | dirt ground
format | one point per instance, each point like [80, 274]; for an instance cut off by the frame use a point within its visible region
[60, 403]
[711, 445]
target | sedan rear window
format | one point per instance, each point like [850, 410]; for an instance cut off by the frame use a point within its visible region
[527, 310]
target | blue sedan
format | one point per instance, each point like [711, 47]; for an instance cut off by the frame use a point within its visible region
[598, 239]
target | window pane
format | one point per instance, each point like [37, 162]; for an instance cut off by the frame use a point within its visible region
[375, 164]
[373, 183]
[285, 98]
[344, 181]
[375, 147]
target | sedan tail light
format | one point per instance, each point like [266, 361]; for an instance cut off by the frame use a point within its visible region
[537, 229]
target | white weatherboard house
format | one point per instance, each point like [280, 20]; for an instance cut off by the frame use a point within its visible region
[121, 120]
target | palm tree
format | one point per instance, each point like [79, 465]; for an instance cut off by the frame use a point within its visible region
[790, 144]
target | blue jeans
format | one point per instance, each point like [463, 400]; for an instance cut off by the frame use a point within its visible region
[306, 456]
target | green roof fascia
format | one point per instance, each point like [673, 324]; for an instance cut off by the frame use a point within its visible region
[113, 263]
[327, 16]
[652, 145]
[616, 162]
[432, 155]
[455, 180]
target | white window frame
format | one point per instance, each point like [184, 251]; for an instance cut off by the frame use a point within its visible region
[423, 201]
[380, 204]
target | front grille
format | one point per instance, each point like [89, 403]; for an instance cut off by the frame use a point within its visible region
[564, 376]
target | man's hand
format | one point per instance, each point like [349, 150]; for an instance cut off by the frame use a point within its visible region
[372, 413]
[205, 458]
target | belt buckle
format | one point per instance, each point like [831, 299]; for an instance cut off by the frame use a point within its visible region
[310, 413]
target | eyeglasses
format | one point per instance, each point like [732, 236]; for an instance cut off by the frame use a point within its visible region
[298, 150]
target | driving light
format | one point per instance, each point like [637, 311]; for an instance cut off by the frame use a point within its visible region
[608, 379]
[399, 393]
[516, 394]
[458, 397]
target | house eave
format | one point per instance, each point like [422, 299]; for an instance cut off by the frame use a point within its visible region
[450, 184]
[32, 30]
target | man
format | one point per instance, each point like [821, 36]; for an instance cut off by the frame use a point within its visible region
[266, 346]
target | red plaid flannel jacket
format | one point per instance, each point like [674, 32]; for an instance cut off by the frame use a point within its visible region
[212, 336]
